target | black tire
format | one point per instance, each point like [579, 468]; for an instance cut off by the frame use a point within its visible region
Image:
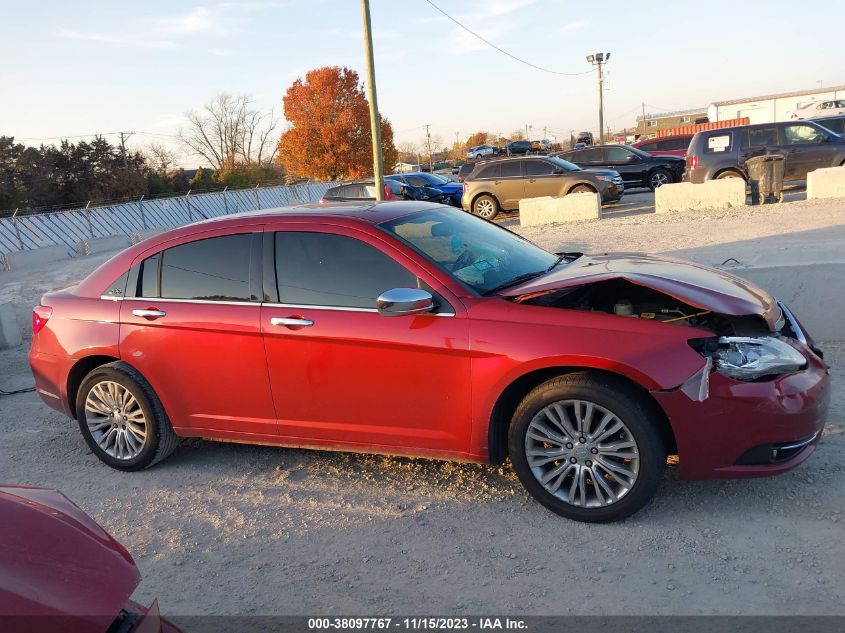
[478, 157]
[486, 206]
[621, 400]
[582, 189]
[161, 440]
[730, 173]
[658, 178]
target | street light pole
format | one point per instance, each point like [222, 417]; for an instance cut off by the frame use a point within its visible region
[597, 60]
[375, 120]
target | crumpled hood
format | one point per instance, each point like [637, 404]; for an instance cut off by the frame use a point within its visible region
[55, 560]
[451, 187]
[699, 286]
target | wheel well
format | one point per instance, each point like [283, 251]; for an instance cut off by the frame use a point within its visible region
[582, 184]
[82, 368]
[729, 169]
[509, 399]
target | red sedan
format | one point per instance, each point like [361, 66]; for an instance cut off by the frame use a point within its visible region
[415, 329]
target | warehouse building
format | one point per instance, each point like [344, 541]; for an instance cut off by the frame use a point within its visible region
[770, 108]
[649, 124]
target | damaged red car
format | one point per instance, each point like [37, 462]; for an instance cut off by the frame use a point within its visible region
[61, 571]
[415, 329]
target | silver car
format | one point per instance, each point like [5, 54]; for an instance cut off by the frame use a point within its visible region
[814, 109]
[479, 151]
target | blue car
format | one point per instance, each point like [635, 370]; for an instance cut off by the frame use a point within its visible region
[423, 179]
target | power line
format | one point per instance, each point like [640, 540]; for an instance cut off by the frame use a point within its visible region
[501, 50]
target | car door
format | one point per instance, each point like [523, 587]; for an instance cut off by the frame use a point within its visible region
[806, 149]
[192, 327]
[630, 166]
[510, 184]
[341, 373]
[540, 178]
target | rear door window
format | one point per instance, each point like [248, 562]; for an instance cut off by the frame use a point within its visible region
[491, 171]
[591, 155]
[214, 269]
[323, 269]
[616, 154]
[763, 137]
[511, 169]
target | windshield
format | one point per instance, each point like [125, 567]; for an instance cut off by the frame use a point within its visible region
[482, 255]
[564, 163]
[637, 151]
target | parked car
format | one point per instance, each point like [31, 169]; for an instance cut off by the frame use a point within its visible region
[818, 108]
[409, 328]
[835, 124]
[517, 148]
[452, 190]
[637, 168]
[666, 146]
[61, 571]
[365, 190]
[480, 151]
[722, 153]
[499, 185]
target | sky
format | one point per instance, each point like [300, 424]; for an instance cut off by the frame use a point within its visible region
[93, 66]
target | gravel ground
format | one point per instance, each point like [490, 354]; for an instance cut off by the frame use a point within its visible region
[229, 529]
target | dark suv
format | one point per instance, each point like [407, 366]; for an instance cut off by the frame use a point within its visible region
[637, 168]
[499, 185]
[515, 148]
[722, 153]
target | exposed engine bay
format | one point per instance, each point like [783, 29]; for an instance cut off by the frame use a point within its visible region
[624, 298]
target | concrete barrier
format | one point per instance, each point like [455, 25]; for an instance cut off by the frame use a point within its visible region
[10, 333]
[27, 259]
[140, 236]
[103, 244]
[707, 196]
[573, 207]
[826, 183]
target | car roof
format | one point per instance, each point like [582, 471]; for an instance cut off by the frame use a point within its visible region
[369, 212]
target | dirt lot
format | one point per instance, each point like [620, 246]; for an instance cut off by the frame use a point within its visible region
[228, 529]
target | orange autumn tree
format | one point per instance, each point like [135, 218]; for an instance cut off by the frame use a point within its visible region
[329, 136]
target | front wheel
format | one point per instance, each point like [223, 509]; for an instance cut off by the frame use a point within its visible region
[486, 206]
[122, 419]
[658, 178]
[586, 447]
[582, 189]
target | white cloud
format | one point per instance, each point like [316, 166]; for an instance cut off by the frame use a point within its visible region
[574, 26]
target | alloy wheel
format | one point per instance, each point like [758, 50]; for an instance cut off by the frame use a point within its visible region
[659, 179]
[485, 208]
[582, 453]
[115, 420]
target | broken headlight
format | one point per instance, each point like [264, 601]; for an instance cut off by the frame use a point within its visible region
[750, 358]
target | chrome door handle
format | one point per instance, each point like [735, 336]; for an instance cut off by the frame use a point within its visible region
[291, 321]
[149, 314]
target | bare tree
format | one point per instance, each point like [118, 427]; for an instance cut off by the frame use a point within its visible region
[408, 151]
[229, 132]
[159, 157]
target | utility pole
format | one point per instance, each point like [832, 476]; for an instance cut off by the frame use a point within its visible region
[597, 60]
[428, 145]
[124, 136]
[375, 120]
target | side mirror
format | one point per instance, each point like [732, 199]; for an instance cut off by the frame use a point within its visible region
[403, 301]
[631, 158]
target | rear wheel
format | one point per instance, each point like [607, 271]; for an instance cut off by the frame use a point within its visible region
[477, 156]
[585, 446]
[122, 419]
[486, 206]
[658, 178]
[729, 174]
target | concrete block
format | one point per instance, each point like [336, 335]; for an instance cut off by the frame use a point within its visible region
[707, 196]
[18, 260]
[102, 244]
[10, 332]
[140, 236]
[826, 183]
[570, 208]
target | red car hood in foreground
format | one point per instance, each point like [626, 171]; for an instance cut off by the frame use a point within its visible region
[56, 561]
[699, 286]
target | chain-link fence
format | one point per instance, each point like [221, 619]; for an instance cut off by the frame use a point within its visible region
[70, 227]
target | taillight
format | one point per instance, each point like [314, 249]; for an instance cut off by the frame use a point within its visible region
[40, 314]
[466, 187]
[692, 163]
[388, 193]
[322, 201]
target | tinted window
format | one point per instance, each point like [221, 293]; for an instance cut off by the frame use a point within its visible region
[538, 168]
[417, 181]
[651, 146]
[511, 169]
[491, 171]
[834, 125]
[322, 269]
[762, 137]
[216, 269]
[592, 155]
[149, 276]
[681, 142]
[797, 134]
[616, 154]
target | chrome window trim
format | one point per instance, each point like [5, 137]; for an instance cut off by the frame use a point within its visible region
[254, 303]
